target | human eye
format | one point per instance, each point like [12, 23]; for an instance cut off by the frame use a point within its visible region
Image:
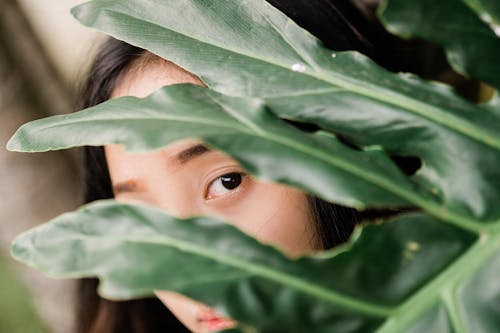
[224, 185]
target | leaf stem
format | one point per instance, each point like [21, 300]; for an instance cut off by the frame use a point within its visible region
[453, 312]
[443, 286]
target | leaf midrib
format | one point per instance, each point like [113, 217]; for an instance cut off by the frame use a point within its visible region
[249, 267]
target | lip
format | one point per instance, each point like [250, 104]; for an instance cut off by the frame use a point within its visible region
[213, 322]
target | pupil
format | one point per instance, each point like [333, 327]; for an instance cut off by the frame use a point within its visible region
[231, 180]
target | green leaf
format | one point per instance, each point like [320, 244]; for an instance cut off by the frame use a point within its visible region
[248, 48]
[400, 276]
[468, 40]
[262, 143]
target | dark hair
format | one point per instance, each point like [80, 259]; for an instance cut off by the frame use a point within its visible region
[341, 26]
[95, 314]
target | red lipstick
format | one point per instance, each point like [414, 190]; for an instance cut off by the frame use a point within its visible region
[210, 320]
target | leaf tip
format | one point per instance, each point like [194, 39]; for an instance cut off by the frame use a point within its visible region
[21, 248]
[21, 141]
[13, 144]
[76, 12]
[82, 13]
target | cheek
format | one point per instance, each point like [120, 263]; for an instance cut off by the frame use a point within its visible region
[277, 215]
[183, 309]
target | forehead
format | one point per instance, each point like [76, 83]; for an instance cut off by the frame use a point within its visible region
[145, 77]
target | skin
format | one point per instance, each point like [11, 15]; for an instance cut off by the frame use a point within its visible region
[272, 213]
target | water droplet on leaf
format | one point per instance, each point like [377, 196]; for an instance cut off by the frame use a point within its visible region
[496, 29]
[298, 68]
[486, 17]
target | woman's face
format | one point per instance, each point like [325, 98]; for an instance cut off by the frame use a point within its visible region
[187, 179]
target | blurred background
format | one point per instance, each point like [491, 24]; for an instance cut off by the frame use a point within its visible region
[43, 53]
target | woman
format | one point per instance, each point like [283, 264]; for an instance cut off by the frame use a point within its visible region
[207, 182]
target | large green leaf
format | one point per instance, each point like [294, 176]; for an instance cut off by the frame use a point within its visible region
[400, 276]
[242, 127]
[264, 144]
[248, 48]
[468, 40]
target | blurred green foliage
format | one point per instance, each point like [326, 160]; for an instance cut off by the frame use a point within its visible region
[17, 314]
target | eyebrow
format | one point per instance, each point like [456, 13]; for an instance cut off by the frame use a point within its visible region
[192, 152]
[184, 156]
[130, 185]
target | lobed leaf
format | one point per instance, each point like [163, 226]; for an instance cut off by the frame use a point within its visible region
[248, 48]
[467, 38]
[262, 143]
[399, 276]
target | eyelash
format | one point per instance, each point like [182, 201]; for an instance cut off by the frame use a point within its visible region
[219, 182]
